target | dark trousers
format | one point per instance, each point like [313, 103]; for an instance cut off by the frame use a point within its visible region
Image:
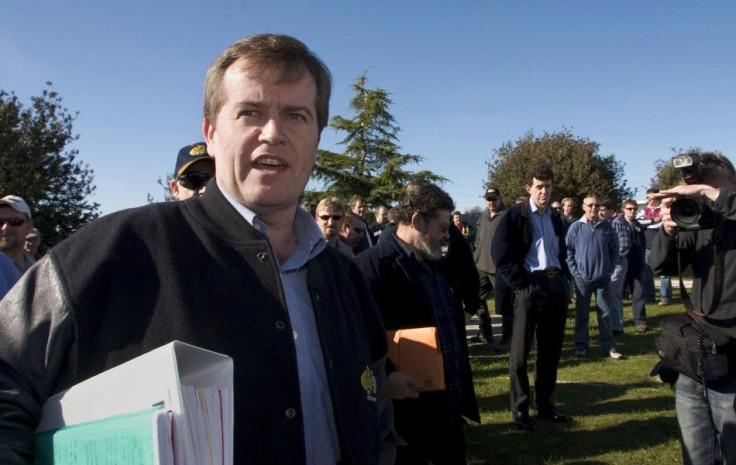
[432, 434]
[636, 280]
[503, 298]
[541, 309]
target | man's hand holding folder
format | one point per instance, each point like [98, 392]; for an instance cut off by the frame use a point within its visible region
[418, 359]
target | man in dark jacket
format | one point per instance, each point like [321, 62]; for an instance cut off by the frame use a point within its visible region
[706, 414]
[490, 283]
[241, 270]
[529, 251]
[412, 291]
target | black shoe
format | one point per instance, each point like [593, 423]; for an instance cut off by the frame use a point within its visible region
[523, 420]
[552, 414]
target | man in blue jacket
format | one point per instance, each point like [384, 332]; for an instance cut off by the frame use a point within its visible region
[592, 253]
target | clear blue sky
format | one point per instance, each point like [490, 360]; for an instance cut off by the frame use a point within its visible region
[465, 77]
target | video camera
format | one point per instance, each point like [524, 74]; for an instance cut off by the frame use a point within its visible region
[690, 214]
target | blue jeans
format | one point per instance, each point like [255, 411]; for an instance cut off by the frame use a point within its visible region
[708, 437]
[618, 279]
[584, 290]
[665, 288]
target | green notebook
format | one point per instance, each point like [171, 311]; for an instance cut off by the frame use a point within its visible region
[128, 439]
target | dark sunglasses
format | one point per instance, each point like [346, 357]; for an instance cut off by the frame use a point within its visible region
[629, 208]
[195, 180]
[593, 205]
[14, 221]
[491, 199]
[327, 217]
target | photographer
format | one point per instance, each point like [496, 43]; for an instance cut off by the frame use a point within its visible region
[705, 410]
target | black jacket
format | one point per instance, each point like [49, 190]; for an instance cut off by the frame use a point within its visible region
[513, 240]
[198, 272]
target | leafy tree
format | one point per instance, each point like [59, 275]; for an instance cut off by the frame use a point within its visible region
[37, 165]
[371, 166]
[578, 167]
[665, 175]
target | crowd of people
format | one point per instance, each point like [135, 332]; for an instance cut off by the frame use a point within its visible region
[301, 298]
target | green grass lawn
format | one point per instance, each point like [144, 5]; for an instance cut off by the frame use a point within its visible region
[620, 414]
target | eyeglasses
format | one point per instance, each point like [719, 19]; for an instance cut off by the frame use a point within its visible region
[491, 199]
[14, 221]
[195, 180]
[593, 205]
[327, 217]
[630, 208]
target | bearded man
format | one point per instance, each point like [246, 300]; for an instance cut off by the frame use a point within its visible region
[412, 290]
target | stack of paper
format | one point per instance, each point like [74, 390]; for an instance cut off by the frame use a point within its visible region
[171, 406]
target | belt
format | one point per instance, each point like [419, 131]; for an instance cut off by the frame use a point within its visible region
[550, 273]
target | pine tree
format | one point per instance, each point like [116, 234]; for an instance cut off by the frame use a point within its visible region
[371, 166]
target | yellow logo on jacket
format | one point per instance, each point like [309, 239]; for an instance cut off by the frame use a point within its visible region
[368, 381]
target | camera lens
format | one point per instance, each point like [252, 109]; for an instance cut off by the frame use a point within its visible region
[685, 212]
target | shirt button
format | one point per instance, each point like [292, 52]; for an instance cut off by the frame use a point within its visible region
[280, 325]
[290, 413]
[261, 256]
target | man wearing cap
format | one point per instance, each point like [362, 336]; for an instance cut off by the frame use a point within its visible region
[33, 241]
[489, 282]
[194, 167]
[243, 271]
[16, 224]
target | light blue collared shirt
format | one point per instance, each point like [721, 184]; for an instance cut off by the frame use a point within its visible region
[320, 432]
[544, 252]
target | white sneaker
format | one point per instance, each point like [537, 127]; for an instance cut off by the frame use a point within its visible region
[614, 354]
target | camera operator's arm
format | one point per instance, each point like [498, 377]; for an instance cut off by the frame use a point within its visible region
[696, 191]
[725, 203]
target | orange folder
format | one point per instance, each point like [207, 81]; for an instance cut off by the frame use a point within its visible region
[416, 351]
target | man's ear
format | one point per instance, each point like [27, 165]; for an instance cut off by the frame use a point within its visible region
[417, 222]
[528, 189]
[174, 187]
[208, 130]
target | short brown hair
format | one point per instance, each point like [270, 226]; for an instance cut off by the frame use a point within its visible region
[267, 52]
[543, 172]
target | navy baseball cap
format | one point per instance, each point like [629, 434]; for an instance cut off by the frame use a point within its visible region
[492, 192]
[189, 155]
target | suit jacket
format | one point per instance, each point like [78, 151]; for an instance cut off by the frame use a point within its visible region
[512, 243]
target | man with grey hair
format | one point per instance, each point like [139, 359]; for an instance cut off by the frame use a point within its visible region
[412, 291]
[241, 270]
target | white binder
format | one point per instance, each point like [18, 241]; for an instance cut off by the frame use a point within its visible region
[153, 379]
